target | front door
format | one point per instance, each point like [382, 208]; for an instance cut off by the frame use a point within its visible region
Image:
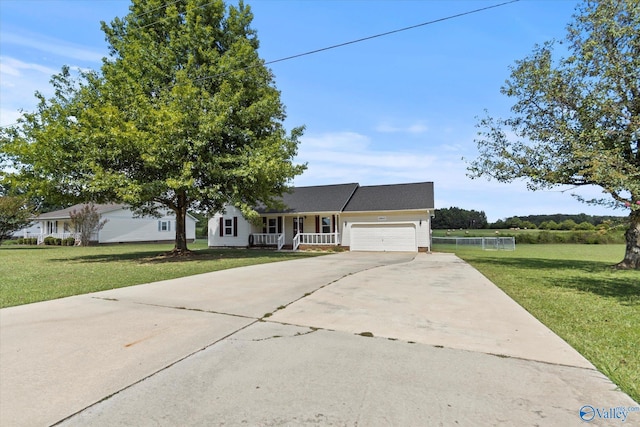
[298, 226]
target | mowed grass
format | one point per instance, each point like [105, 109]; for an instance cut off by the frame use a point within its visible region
[31, 274]
[574, 291]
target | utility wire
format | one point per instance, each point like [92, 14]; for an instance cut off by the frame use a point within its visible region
[389, 32]
[324, 49]
[157, 8]
[166, 17]
[312, 52]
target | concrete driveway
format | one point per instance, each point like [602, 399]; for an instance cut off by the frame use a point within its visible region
[346, 339]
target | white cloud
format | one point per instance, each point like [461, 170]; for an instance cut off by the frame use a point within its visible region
[351, 157]
[342, 157]
[51, 45]
[336, 141]
[415, 128]
[8, 117]
[18, 82]
[15, 68]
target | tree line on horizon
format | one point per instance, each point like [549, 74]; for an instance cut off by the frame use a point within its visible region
[456, 218]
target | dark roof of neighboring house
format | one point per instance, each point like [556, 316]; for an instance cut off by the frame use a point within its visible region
[320, 198]
[64, 213]
[392, 197]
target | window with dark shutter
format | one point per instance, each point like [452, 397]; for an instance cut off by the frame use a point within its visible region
[326, 224]
[228, 227]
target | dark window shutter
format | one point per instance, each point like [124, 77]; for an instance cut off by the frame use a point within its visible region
[235, 226]
[221, 226]
[317, 223]
[333, 220]
[279, 224]
[264, 225]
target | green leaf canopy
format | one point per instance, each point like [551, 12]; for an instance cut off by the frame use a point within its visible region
[576, 120]
[183, 114]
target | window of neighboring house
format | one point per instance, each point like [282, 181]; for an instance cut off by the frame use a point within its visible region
[164, 225]
[326, 224]
[272, 226]
[67, 227]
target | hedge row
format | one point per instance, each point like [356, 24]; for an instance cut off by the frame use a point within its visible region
[54, 241]
[584, 237]
[27, 241]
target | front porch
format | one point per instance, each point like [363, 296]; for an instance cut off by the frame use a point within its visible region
[277, 240]
[42, 236]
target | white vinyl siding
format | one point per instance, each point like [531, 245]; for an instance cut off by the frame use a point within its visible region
[220, 234]
[123, 226]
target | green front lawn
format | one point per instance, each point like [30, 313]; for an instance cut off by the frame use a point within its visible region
[39, 273]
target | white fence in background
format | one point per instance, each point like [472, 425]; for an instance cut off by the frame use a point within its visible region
[484, 243]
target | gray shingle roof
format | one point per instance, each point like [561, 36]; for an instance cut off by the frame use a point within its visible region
[320, 198]
[353, 198]
[392, 197]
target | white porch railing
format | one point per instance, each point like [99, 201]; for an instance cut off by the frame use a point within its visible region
[264, 239]
[277, 240]
[332, 239]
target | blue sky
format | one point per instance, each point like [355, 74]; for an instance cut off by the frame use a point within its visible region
[399, 108]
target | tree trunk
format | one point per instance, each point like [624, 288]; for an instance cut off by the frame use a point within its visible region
[632, 254]
[181, 226]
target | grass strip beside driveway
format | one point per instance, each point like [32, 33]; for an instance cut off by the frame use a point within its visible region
[573, 290]
[30, 274]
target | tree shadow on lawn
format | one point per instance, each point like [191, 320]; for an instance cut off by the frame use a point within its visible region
[155, 257]
[596, 277]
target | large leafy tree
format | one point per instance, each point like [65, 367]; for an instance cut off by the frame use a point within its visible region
[576, 119]
[182, 115]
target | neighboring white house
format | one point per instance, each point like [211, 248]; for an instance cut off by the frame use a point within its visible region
[32, 230]
[360, 218]
[122, 225]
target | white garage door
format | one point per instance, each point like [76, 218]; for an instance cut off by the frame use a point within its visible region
[383, 237]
